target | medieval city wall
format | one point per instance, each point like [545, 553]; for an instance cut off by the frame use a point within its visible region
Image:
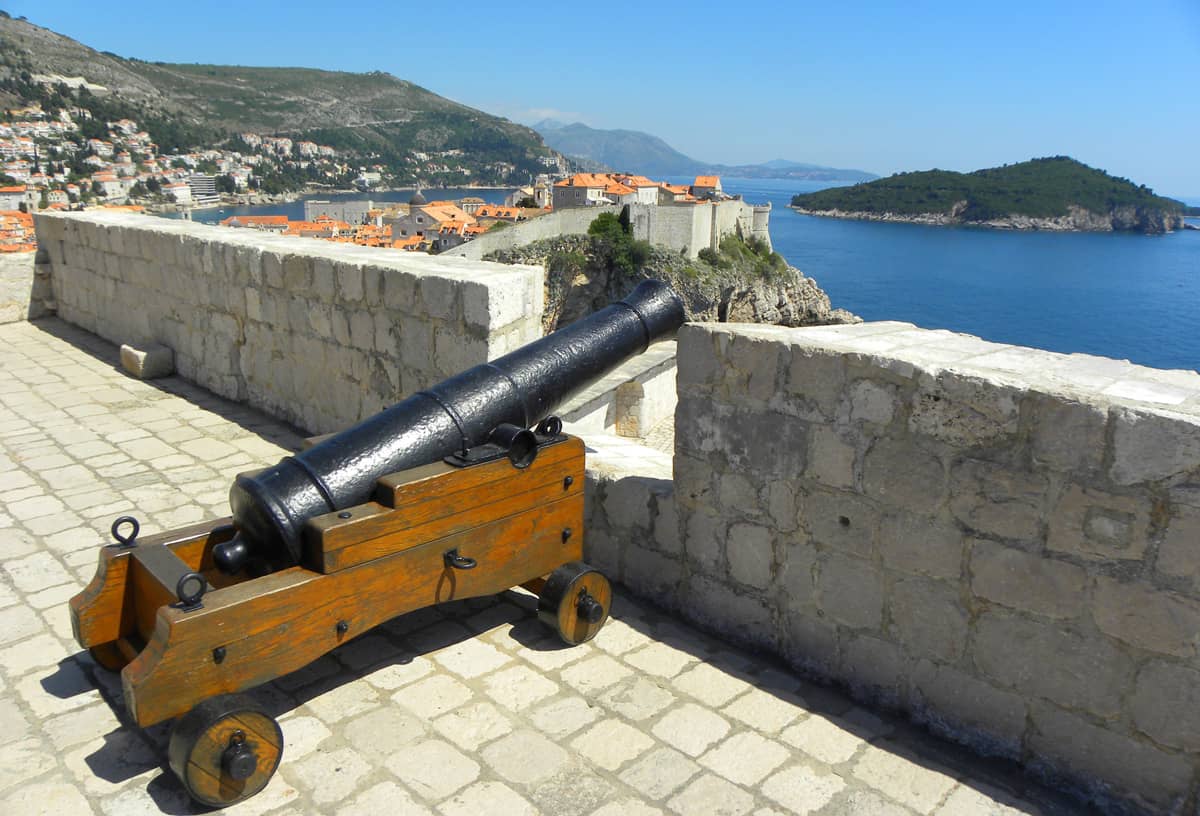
[24, 288]
[551, 225]
[1001, 541]
[318, 333]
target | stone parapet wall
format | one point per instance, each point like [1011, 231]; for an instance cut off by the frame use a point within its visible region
[24, 287]
[318, 333]
[630, 400]
[573, 221]
[1003, 542]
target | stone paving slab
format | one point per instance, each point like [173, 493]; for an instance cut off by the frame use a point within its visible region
[467, 708]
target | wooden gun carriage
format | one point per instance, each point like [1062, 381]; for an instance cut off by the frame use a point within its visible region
[193, 617]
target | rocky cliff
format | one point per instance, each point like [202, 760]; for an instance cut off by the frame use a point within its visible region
[579, 281]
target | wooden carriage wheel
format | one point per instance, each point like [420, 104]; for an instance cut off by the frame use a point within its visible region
[575, 601]
[225, 750]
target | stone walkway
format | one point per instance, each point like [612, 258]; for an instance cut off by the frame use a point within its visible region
[472, 708]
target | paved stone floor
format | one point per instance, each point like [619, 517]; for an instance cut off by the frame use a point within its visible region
[468, 709]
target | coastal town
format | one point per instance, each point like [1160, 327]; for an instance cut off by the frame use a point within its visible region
[421, 225]
[51, 163]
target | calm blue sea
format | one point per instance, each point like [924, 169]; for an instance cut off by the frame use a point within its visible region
[1132, 297]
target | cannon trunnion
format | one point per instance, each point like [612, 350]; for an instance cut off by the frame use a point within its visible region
[445, 496]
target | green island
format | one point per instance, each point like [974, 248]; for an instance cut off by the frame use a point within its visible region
[1056, 193]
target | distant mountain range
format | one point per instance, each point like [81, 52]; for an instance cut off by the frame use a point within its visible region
[632, 151]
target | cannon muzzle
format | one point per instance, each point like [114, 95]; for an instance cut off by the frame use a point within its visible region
[270, 507]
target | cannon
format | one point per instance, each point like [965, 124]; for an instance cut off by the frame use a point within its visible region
[466, 489]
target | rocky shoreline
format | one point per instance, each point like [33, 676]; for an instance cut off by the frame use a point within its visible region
[722, 295]
[1077, 219]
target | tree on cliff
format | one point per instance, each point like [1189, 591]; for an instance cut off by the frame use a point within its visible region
[613, 239]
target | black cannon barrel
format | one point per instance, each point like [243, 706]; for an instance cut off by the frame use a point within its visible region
[270, 507]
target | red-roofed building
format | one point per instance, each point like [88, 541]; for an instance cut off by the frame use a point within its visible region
[266, 223]
[706, 186]
[582, 190]
[11, 198]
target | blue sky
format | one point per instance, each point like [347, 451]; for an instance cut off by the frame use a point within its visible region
[878, 86]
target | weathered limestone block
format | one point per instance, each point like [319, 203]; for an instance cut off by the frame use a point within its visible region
[850, 591]
[830, 457]
[1044, 660]
[964, 411]
[1179, 552]
[400, 291]
[817, 379]
[627, 502]
[297, 273]
[694, 480]
[751, 555]
[1153, 446]
[24, 287]
[714, 605]
[703, 542]
[798, 573]
[920, 546]
[697, 361]
[764, 445]
[902, 475]
[651, 574]
[362, 330]
[416, 346]
[1146, 617]
[781, 505]
[873, 403]
[1166, 705]
[320, 320]
[966, 709]
[253, 305]
[629, 404]
[349, 279]
[1026, 581]
[1068, 436]
[605, 551]
[752, 368]
[841, 521]
[148, 362]
[1076, 746]
[928, 619]
[811, 642]
[666, 524]
[323, 281]
[504, 300]
[387, 336]
[738, 495]
[439, 297]
[1098, 525]
[997, 500]
[875, 669]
